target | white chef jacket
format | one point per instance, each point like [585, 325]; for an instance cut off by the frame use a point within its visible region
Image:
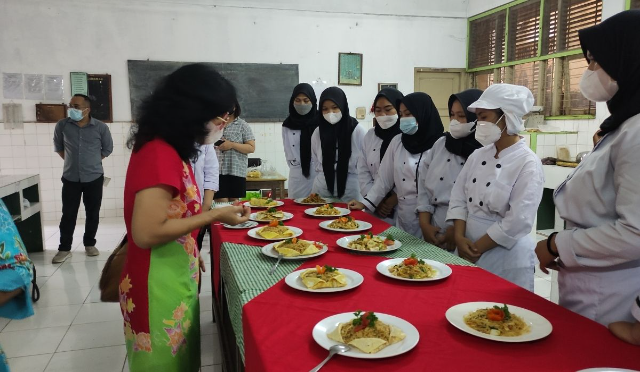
[206, 170]
[400, 168]
[500, 197]
[438, 174]
[368, 165]
[352, 189]
[299, 186]
[600, 250]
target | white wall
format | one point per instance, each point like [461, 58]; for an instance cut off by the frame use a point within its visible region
[99, 36]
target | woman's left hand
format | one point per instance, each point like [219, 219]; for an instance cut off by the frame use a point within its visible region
[203, 268]
[225, 146]
[547, 260]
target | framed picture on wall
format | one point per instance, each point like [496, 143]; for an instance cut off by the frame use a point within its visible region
[350, 69]
[381, 86]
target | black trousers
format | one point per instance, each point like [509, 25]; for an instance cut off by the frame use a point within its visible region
[91, 194]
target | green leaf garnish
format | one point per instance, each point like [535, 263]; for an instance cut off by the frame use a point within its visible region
[505, 310]
[329, 269]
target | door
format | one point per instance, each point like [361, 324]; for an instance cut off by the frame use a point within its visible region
[440, 84]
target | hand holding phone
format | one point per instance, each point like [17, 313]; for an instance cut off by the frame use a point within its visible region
[219, 142]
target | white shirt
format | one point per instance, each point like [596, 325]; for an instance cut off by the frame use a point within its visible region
[438, 174]
[206, 169]
[369, 161]
[507, 190]
[291, 142]
[299, 186]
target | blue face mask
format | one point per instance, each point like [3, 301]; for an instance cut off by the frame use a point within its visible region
[408, 125]
[75, 114]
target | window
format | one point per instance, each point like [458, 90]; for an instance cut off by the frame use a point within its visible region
[540, 49]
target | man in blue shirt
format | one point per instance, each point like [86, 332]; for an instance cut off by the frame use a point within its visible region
[82, 142]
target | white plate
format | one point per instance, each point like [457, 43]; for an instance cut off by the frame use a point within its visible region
[540, 327]
[442, 270]
[343, 212]
[344, 243]
[327, 325]
[268, 250]
[607, 370]
[363, 226]
[327, 201]
[244, 225]
[254, 233]
[278, 203]
[254, 217]
[354, 279]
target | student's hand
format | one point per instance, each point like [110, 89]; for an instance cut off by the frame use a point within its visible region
[547, 261]
[382, 210]
[429, 233]
[355, 205]
[467, 249]
[225, 146]
[449, 238]
[628, 332]
[231, 215]
[597, 137]
[203, 268]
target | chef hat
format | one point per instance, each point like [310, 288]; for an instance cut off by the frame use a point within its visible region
[514, 100]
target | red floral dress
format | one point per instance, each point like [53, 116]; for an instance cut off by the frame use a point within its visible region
[159, 286]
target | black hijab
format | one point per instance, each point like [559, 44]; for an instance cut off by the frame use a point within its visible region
[429, 124]
[386, 135]
[305, 123]
[614, 44]
[466, 145]
[336, 134]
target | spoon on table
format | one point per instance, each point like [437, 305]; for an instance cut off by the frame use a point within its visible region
[273, 269]
[335, 349]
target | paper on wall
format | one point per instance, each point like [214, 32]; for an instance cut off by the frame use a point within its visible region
[34, 86]
[53, 88]
[12, 85]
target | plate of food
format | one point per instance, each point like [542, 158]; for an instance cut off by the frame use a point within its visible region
[271, 214]
[244, 225]
[276, 230]
[413, 269]
[346, 223]
[327, 210]
[370, 335]
[263, 203]
[323, 279]
[368, 242]
[295, 249]
[499, 322]
[315, 199]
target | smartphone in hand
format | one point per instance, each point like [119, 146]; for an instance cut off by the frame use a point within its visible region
[219, 142]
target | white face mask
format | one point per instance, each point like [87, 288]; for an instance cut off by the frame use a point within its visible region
[215, 133]
[333, 117]
[387, 121]
[488, 132]
[598, 86]
[460, 130]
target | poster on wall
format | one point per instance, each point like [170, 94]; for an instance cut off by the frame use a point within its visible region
[349, 69]
[34, 86]
[12, 85]
[53, 88]
[79, 83]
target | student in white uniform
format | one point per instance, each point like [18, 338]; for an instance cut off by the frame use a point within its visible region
[441, 167]
[376, 141]
[496, 196]
[297, 130]
[599, 266]
[421, 127]
[335, 147]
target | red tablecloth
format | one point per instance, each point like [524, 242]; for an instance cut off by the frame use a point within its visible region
[309, 225]
[277, 326]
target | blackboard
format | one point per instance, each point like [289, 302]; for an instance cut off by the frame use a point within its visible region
[99, 89]
[263, 89]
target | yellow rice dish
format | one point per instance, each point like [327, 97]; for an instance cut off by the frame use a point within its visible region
[326, 210]
[413, 268]
[275, 232]
[270, 214]
[262, 202]
[497, 321]
[297, 247]
[313, 199]
[367, 333]
[344, 223]
[323, 277]
[370, 242]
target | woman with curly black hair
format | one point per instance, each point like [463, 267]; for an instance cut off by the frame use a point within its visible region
[162, 211]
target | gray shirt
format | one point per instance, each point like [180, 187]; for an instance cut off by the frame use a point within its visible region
[83, 148]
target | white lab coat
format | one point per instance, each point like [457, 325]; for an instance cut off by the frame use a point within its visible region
[400, 168]
[500, 197]
[299, 186]
[368, 165]
[438, 174]
[600, 249]
[352, 189]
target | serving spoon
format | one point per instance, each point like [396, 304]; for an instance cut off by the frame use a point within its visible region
[333, 350]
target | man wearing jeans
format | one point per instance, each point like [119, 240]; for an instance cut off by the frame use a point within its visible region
[82, 142]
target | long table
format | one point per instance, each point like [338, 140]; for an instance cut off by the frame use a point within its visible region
[265, 325]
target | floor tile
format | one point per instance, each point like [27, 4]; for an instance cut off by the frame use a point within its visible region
[214, 368]
[44, 317]
[98, 312]
[94, 295]
[61, 296]
[206, 300]
[32, 342]
[207, 326]
[3, 323]
[210, 350]
[92, 335]
[104, 359]
[34, 363]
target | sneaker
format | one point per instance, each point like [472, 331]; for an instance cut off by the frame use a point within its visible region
[61, 256]
[92, 251]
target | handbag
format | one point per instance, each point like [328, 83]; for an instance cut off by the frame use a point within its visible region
[111, 273]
